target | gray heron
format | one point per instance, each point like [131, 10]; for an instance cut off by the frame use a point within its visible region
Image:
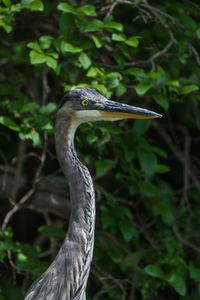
[66, 278]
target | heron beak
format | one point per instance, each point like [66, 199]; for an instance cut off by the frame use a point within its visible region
[115, 110]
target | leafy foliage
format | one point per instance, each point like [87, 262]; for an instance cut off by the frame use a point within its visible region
[146, 173]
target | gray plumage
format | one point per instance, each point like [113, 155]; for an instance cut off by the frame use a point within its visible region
[67, 276]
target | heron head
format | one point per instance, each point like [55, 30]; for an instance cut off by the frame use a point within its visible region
[85, 104]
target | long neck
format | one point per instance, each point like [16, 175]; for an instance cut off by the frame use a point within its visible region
[82, 197]
[79, 179]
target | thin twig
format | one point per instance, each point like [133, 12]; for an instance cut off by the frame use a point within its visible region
[193, 51]
[184, 241]
[152, 58]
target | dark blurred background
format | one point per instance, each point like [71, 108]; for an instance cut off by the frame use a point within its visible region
[146, 173]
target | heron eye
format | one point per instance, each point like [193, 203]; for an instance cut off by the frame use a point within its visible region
[84, 102]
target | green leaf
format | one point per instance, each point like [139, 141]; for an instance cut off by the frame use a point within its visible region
[119, 37]
[163, 210]
[35, 5]
[154, 271]
[52, 54]
[128, 231]
[66, 24]
[98, 41]
[91, 26]
[32, 135]
[189, 89]
[70, 48]
[174, 83]
[107, 220]
[149, 190]
[102, 166]
[137, 72]
[67, 8]
[91, 138]
[132, 260]
[189, 22]
[35, 47]
[35, 137]
[37, 58]
[45, 41]
[48, 108]
[162, 169]
[43, 122]
[121, 89]
[114, 25]
[52, 231]
[194, 272]
[141, 89]
[119, 59]
[161, 99]
[16, 7]
[148, 161]
[84, 60]
[159, 151]
[198, 33]
[2, 256]
[153, 75]
[94, 71]
[8, 232]
[22, 257]
[7, 2]
[87, 10]
[6, 26]
[116, 257]
[112, 79]
[21, 106]
[178, 283]
[51, 62]
[9, 123]
[168, 218]
[102, 89]
[141, 126]
[133, 41]
[162, 81]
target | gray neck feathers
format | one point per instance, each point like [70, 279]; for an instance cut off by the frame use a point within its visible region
[78, 176]
[82, 197]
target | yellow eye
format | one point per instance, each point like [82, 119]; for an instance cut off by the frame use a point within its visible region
[84, 102]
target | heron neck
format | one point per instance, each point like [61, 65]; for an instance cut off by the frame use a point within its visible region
[80, 183]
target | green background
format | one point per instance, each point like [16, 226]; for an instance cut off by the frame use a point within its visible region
[146, 173]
